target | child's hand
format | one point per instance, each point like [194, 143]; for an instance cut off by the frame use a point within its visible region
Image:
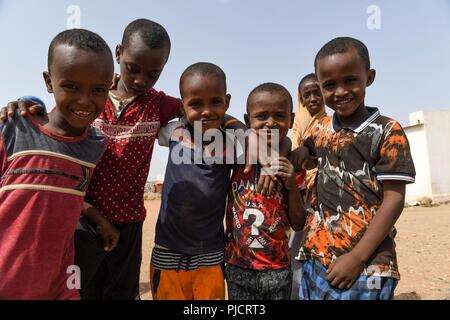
[114, 82]
[343, 272]
[285, 171]
[252, 153]
[267, 182]
[109, 234]
[268, 185]
[105, 230]
[301, 159]
[23, 105]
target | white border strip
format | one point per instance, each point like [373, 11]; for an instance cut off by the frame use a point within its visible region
[42, 188]
[395, 177]
[51, 154]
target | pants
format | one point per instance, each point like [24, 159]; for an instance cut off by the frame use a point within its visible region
[246, 284]
[109, 276]
[296, 266]
[315, 286]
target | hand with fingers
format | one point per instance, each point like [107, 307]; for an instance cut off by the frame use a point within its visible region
[302, 159]
[115, 82]
[344, 271]
[106, 231]
[284, 170]
[108, 234]
[26, 105]
[268, 183]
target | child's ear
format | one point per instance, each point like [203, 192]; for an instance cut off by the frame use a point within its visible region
[118, 53]
[48, 81]
[227, 100]
[247, 120]
[292, 120]
[370, 77]
[182, 108]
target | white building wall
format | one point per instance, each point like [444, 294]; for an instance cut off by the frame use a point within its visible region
[429, 138]
[419, 151]
[437, 127]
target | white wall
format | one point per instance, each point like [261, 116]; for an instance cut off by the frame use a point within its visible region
[419, 151]
[437, 125]
[430, 149]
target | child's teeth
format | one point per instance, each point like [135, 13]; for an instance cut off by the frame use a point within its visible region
[82, 113]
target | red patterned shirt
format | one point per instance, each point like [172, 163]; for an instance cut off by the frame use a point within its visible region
[117, 186]
[257, 226]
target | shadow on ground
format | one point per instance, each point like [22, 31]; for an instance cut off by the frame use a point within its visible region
[408, 296]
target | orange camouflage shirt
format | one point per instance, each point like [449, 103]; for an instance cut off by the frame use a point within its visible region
[352, 163]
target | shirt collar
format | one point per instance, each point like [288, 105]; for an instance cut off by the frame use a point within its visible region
[374, 113]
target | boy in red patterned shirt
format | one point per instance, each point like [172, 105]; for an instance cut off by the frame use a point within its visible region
[258, 226]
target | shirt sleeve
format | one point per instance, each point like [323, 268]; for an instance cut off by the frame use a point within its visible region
[170, 108]
[395, 161]
[165, 133]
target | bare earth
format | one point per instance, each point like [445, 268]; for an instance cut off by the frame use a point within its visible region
[423, 248]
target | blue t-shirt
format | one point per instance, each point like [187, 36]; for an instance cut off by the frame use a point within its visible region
[194, 194]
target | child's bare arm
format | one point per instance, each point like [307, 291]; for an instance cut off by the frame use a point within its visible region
[106, 231]
[230, 122]
[296, 209]
[346, 269]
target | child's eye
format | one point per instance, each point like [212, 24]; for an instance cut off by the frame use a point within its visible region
[217, 102]
[69, 87]
[194, 105]
[100, 90]
[351, 80]
[328, 86]
[260, 116]
[132, 69]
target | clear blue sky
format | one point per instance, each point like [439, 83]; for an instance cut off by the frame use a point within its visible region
[254, 41]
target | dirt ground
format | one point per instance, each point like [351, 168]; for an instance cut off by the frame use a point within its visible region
[423, 248]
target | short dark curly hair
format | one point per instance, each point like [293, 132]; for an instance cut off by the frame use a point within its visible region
[272, 88]
[203, 68]
[342, 45]
[79, 38]
[151, 33]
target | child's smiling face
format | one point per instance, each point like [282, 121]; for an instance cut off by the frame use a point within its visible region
[204, 99]
[140, 66]
[269, 111]
[79, 80]
[343, 78]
